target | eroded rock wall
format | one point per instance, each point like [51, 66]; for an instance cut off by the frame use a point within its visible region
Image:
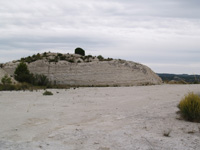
[97, 73]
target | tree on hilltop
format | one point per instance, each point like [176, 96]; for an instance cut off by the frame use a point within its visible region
[79, 51]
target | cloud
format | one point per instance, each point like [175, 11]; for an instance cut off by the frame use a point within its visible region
[157, 31]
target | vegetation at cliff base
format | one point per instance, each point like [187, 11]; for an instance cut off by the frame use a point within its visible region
[22, 73]
[6, 83]
[6, 80]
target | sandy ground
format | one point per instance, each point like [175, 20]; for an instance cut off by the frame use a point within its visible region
[113, 118]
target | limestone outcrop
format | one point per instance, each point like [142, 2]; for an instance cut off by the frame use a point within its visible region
[3, 73]
[90, 72]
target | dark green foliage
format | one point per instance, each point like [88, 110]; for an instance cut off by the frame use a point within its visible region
[80, 51]
[6, 80]
[40, 80]
[100, 58]
[47, 93]
[22, 73]
[55, 59]
[108, 59]
[87, 57]
[59, 54]
[38, 56]
[63, 57]
[30, 59]
[71, 61]
[51, 60]
[44, 54]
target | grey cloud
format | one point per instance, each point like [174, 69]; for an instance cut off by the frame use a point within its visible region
[158, 8]
[132, 29]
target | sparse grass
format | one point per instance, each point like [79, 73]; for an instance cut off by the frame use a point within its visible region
[17, 87]
[47, 93]
[30, 87]
[190, 107]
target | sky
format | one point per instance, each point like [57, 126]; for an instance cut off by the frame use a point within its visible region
[162, 34]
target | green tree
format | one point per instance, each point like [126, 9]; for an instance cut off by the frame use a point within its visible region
[22, 73]
[79, 51]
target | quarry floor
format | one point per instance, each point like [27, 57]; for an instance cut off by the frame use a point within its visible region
[110, 118]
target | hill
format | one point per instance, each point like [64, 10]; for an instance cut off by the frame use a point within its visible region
[77, 70]
[180, 77]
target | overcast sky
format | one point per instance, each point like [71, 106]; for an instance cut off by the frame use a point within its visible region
[162, 34]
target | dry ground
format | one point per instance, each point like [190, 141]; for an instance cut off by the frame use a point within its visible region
[113, 118]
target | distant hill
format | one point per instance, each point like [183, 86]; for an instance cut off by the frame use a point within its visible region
[179, 77]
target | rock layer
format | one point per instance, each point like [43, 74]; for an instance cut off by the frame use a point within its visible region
[95, 73]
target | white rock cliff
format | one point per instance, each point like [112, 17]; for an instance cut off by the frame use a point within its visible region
[93, 73]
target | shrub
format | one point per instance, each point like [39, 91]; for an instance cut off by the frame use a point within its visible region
[6, 80]
[22, 73]
[71, 60]
[47, 93]
[100, 58]
[32, 58]
[16, 87]
[190, 107]
[80, 51]
[8, 87]
[40, 80]
[55, 59]
[59, 54]
[44, 54]
[63, 57]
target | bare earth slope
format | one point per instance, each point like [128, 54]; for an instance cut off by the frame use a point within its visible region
[113, 118]
[94, 73]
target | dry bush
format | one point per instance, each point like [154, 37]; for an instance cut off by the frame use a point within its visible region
[47, 93]
[190, 107]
